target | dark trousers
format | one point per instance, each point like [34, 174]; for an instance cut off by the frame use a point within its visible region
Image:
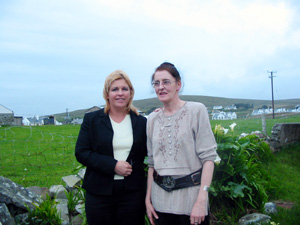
[173, 219]
[123, 207]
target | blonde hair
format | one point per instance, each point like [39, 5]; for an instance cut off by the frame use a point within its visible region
[117, 75]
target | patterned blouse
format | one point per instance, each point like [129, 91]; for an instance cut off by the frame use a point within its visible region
[179, 145]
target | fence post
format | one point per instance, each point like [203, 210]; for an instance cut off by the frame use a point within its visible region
[264, 125]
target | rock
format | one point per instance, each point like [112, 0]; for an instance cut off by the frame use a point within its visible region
[21, 218]
[258, 134]
[16, 195]
[79, 208]
[254, 218]
[62, 208]
[13, 199]
[81, 173]
[58, 191]
[5, 216]
[77, 220]
[270, 208]
[42, 191]
[71, 181]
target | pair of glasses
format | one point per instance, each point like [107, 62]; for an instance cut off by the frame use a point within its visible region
[164, 83]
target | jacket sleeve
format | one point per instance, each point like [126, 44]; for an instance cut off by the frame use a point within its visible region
[86, 154]
[150, 160]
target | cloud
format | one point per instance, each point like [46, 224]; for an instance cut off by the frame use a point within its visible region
[222, 15]
[222, 48]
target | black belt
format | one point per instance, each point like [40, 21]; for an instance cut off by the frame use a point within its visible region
[168, 183]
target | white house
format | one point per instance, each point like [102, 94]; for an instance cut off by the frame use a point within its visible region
[77, 121]
[230, 107]
[281, 110]
[218, 107]
[261, 111]
[25, 121]
[218, 116]
[231, 115]
[224, 115]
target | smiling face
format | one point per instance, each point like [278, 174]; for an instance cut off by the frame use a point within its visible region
[166, 87]
[119, 95]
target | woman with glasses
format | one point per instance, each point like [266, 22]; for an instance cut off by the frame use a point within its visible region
[112, 146]
[181, 153]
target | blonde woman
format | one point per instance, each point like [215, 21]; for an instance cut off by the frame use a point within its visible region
[112, 146]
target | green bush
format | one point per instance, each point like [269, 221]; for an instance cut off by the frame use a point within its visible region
[240, 183]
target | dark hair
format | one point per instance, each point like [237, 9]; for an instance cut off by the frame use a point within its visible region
[168, 67]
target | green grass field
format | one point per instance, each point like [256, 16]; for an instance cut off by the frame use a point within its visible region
[41, 155]
[255, 124]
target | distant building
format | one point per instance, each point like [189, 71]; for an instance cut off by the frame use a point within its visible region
[218, 107]
[217, 115]
[281, 110]
[94, 108]
[49, 120]
[230, 107]
[261, 111]
[34, 121]
[25, 122]
[295, 110]
[6, 116]
[77, 121]
[18, 121]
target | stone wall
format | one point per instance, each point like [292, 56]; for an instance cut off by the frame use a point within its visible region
[284, 134]
[6, 119]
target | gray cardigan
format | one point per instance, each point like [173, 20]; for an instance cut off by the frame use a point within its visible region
[179, 145]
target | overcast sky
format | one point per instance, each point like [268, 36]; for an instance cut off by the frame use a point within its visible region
[56, 54]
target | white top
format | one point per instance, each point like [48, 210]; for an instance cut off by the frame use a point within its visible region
[122, 140]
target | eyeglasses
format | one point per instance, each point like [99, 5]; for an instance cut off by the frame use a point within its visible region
[164, 83]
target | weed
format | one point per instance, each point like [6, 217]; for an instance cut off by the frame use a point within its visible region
[44, 213]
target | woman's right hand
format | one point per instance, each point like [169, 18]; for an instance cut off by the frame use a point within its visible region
[123, 168]
[151, 212]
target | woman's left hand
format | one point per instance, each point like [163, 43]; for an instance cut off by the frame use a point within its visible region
[199, 210]
[198, 213]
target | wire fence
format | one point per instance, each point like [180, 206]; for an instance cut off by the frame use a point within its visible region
[38, 155]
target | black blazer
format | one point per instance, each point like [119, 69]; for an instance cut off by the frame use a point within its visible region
[95, 151]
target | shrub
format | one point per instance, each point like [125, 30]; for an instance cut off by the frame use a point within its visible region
[240, 183]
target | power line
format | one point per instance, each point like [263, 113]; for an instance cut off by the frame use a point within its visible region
[271, 72]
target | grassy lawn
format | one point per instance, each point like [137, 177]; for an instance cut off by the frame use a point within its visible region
[285, 170]
[41, 155]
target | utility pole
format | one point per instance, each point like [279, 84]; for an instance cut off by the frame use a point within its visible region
[67, 118]
[271, 72]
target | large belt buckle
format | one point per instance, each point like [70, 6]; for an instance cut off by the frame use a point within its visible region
[168, 182]
[194, 179]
